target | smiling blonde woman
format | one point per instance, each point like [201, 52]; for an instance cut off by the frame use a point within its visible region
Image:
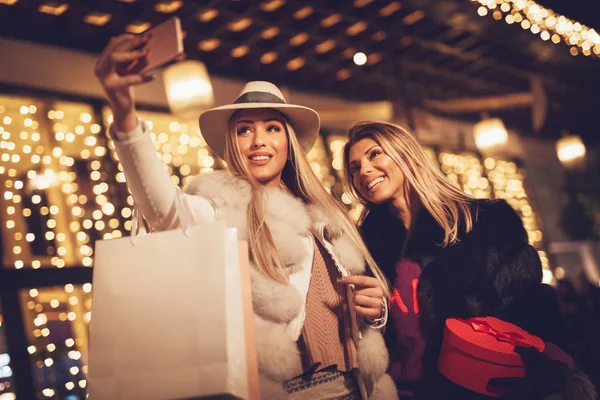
[318, 308]
[448, 255]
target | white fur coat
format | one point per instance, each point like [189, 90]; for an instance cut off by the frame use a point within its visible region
[275, 305]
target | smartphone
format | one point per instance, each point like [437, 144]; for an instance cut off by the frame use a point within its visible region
[165, 46]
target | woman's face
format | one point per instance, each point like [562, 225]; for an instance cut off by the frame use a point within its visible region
[263, 143]
[375, 175]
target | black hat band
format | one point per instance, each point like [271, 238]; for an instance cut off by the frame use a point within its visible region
[258, 97]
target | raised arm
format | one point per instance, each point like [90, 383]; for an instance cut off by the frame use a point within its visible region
[147, 177]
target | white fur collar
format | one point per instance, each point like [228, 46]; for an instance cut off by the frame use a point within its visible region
[288, 218]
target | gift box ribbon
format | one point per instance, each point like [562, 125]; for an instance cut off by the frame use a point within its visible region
[481, 326]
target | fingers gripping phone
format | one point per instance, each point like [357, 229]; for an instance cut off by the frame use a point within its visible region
[165, 45]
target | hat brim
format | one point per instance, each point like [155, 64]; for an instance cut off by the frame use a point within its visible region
[304, 120]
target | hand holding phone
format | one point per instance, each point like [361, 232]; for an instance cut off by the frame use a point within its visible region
[163, 45]
[128, 60]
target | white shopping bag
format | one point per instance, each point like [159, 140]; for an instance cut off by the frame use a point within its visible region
[168, 317]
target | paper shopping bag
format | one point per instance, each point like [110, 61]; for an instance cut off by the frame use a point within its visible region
[246, 302]
[168, 319]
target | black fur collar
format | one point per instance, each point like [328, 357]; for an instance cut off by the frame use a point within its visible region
[386, 237]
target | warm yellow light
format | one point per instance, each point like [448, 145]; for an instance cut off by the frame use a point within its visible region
[360, 58]
[240, 51]
[272, 5]
[208, 15]
[390, 9]
[299, 39]
[490, 133]
[325, 46]
[209, 44]
[97, 18]
[331, 20]
[374, 58]
[518, 17]
[168, 7]
[270, 33]
[295, 64]
[303, 12]
[559, 272]
[362, 3]
[53, 8]
[268, 58]
[8, 2]
[357, 28]
[137, 27]
[547, 276]
[239, 25]
[42, 182]
[415, 17]
[570, 150]
[188, 87]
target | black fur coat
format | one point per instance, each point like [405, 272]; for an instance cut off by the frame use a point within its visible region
[490, 271]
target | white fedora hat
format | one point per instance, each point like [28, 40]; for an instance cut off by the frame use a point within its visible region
[259, 94]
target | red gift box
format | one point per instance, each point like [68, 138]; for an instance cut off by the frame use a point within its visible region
[477, 349]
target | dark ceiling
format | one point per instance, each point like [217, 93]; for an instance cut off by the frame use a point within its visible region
[417, 49]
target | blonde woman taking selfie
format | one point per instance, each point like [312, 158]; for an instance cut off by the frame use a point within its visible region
[318, 296]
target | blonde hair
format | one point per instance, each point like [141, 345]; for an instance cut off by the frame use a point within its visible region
[448, 205]
[299, 178]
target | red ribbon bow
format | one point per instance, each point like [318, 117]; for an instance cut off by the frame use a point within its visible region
[482, 326]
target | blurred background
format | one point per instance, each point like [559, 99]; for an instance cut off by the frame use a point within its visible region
[502, 93]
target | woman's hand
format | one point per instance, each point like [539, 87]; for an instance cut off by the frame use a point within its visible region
[117, 69]
[368, 295]
[544, 377]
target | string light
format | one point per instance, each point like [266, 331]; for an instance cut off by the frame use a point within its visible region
[53, 350]
[538, 19]
[465, 172]
[498, 179]
[508, 183]
[318, 159]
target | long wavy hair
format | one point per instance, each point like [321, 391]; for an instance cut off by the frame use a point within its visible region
[448, 205]
[301, 181]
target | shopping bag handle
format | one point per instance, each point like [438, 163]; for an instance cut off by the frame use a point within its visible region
[137, 225]
[137, 220]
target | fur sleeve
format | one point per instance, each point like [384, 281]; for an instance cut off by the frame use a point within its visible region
[498, 248]
[491, 268]
[579, 387]
[384, 234]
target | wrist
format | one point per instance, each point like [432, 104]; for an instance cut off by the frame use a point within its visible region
[381, 320]
[125, 122]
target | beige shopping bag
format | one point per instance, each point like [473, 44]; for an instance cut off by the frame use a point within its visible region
[168, 317]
